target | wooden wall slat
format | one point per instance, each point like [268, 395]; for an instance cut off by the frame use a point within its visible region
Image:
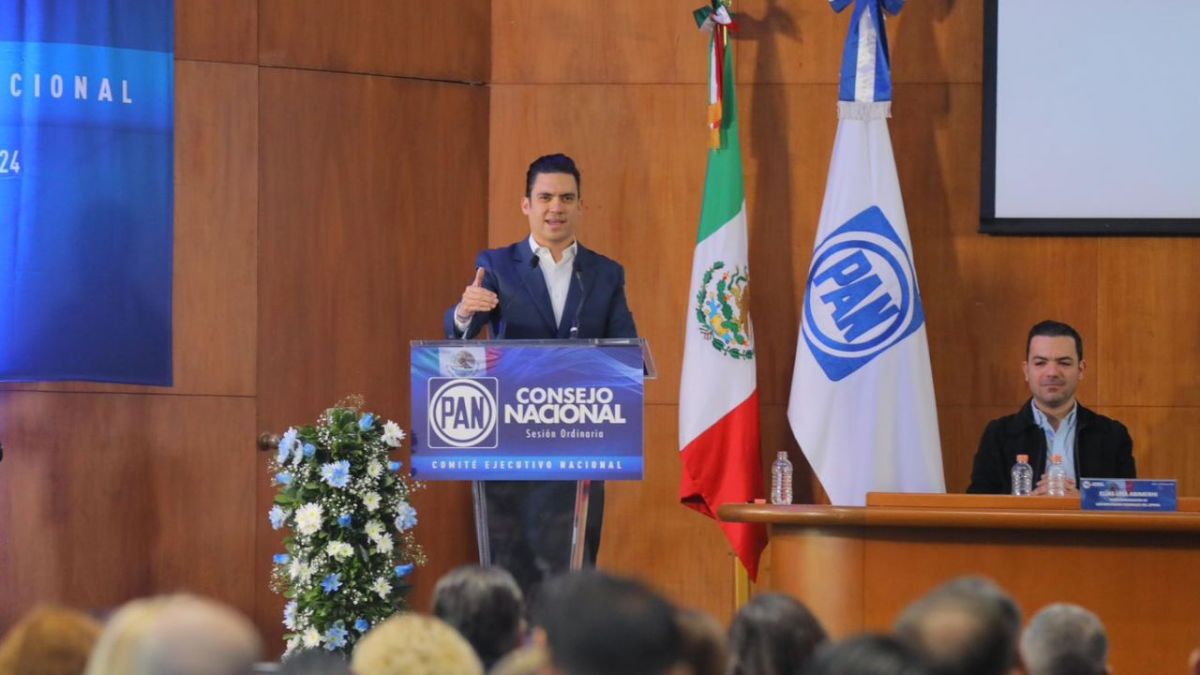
[624, 42]
[437, 40]
[216, 30]
[372, 190]
[108, 497]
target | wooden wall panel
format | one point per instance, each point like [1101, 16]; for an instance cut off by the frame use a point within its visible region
[1149, 324]
[108, 497]
[627, 41]
[216, 30]
[437, 40]
[1165, 442]
[372, 192]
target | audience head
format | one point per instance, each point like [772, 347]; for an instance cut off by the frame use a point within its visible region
[868, 654]
[528, 660]
[705, 650]
[968, 626]
[315, 662]
[1065, 639]
[597, 624]
[485, 605]
[176, 635]
[774, 634]
[411, 644]
[49, 641]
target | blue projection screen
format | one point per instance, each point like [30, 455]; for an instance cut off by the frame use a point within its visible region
[86, 190]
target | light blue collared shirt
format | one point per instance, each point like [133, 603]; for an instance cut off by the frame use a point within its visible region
[1061, 442]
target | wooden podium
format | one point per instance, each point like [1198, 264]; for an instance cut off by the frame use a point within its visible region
[858, 567]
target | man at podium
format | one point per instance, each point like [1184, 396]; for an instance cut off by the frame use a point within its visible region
[543, 287]
[1052, 422]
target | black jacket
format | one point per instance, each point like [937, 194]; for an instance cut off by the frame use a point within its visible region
[1103, 449]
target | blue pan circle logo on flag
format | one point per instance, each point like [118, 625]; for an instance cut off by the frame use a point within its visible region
[862, 297]
[463, 412]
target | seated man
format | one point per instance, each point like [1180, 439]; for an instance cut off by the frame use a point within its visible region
[1052, 422]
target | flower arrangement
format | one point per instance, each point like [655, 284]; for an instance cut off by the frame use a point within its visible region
[351, 544]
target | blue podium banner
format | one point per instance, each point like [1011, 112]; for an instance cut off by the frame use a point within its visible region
[514, 410]
[86, 190]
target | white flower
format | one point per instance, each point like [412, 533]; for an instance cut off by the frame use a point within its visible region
[371, 501]
[308, 518]
[311, 638]
[339, 550]
[392, 434]
[375, 469]
[374, 530]
[384, 544]
[292, 645]
[381, 587]
[300, 571]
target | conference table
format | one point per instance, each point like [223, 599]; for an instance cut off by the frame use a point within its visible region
[858, 567]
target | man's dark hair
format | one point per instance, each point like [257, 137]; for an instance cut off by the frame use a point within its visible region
[967, 626]
[556, 163]
[1050, 328]
[867, 654]
[485, 606]
[774, 634]
[597, 624]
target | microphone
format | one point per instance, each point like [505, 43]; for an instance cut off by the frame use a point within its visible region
[533, 262]
[582, 297]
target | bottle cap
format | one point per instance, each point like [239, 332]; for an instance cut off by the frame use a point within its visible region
[1024, 459]
[1057, 459]
[782, 454]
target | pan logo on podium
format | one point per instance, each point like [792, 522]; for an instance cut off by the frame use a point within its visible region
[462, 412]
[862, 295]
[556, 410]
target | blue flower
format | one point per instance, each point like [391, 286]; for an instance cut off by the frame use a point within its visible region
[404, 570]
[332, 583]
[336, 474]
[344, 520]
[336, 637]
[278, 516]
[281, 558]
[289, 441]
[366, 422]
[362, 625]
[406, 517]
[309, 450]
[283, 478]
[395, 466]
[289, 615]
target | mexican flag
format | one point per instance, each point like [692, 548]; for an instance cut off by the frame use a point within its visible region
[718, 393]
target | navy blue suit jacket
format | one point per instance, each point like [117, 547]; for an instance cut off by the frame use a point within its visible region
[525, 313]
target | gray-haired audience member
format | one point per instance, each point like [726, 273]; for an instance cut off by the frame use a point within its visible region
[315, 662]
[868, 654]
[968, 626]
[485, 605]
[1065, 639]
[597, 624]
[774, 634]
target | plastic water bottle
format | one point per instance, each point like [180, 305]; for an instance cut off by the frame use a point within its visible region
[1022, 477]
[781, 480]
[1056, 478]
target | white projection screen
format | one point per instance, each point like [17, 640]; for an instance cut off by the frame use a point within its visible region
[1091, 121]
